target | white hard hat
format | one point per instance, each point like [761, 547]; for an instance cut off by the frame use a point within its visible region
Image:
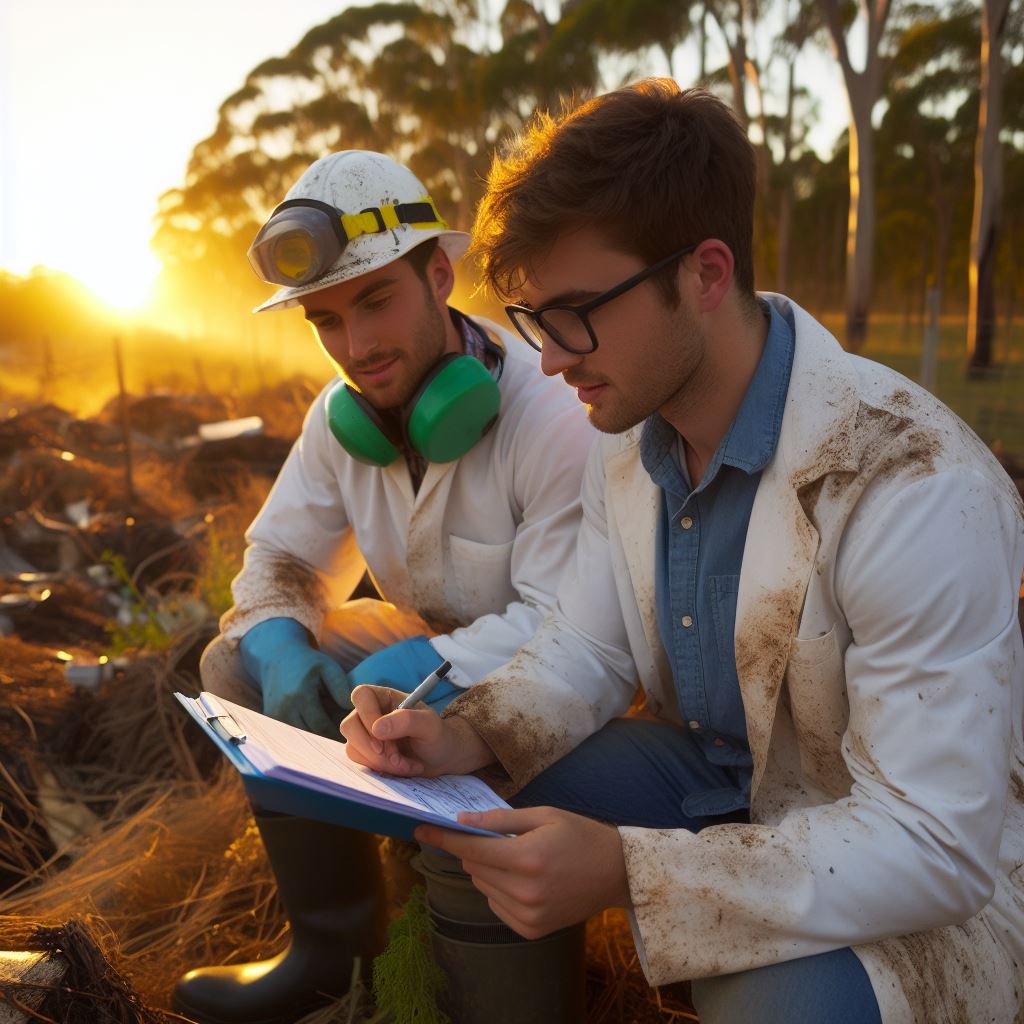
[356, 180]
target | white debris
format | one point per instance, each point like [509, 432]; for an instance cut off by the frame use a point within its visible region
[224, 430]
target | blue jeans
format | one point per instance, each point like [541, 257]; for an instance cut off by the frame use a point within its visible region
[638, 772]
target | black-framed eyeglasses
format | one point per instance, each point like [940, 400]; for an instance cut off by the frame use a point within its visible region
[569, 326]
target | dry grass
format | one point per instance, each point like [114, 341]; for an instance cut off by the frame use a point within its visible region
[173, 874]
[159, 858]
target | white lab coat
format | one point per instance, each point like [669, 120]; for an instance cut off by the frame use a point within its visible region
[881, 668]
[477, 552]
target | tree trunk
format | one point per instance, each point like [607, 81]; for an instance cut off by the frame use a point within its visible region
[785, 212]
[988, 189]
[862, 91]
[703, 45]
[943, 206]
[763, 153]
[669, 49]
[785, 225]
[860, 224]
[737, 73]
[737, 66]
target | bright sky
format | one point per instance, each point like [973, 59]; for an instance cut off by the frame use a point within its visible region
[101, 102]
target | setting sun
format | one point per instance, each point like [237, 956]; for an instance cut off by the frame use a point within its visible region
[123, 284]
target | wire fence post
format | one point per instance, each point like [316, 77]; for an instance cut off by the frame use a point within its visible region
[126, 434]
[929, 376]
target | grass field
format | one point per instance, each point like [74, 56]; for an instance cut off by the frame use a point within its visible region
[82, 380]
[993, 403]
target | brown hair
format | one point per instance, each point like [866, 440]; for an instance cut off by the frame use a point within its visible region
[654, 167]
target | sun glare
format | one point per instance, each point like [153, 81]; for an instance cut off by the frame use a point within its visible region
[123, 287]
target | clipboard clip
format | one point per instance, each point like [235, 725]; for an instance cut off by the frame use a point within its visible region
[219, 720]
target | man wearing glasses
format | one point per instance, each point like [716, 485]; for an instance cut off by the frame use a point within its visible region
[811, 566]
[442, 460]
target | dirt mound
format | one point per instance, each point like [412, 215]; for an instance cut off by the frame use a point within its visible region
[43, 426]
[282, 407]
[35, 703]
[216, 468]
[34, 694]
[166, 418]
[48, 480]
[64, 612]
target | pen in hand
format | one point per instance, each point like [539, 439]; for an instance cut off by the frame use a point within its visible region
[424, 689]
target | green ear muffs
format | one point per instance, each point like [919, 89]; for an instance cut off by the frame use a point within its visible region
[357, 427]
[454, 407]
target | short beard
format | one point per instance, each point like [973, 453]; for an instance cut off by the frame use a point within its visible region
[680, 383]
[428, 347]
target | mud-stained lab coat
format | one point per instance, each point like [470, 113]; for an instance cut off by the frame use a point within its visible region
[477, 552]
[880, 662]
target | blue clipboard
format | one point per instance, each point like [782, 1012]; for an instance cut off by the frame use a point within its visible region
[307, 801]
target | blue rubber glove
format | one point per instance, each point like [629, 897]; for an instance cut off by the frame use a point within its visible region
[403, 666]
[299, 683]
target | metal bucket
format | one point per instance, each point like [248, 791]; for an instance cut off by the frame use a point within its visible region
[494, 975]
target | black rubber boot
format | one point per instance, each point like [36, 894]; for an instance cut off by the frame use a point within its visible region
[330, 883]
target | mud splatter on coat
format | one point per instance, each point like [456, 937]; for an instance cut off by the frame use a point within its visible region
[881, 666]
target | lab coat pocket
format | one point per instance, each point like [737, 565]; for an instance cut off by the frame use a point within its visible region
[814, 650]
[820, 709]
[482, 574]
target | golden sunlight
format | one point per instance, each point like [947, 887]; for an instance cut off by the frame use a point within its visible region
[123, 284]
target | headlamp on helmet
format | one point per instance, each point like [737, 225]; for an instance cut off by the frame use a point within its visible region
[304, 238]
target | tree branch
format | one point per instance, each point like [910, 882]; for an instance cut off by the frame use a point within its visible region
[830, 9]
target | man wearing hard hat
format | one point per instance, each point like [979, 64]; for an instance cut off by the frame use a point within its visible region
[441, 460]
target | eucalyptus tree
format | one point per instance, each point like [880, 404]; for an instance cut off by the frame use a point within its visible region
[789, 129]
[389, 76]
[1011, 257]
[924, 146]
[634, 26]
[421, 81]
[988, 184]
[736, 22]
[863, 89]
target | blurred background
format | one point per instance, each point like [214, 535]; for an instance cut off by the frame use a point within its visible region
[143, 145]
[145, 412]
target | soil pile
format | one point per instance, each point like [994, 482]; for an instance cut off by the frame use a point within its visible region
[119, 827]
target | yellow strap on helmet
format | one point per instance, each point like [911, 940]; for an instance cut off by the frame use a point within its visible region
[385, 218]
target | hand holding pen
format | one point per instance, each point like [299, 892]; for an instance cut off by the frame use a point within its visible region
[386, 733]
[423, 691]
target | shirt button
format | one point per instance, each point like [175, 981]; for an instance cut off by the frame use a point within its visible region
[719, 742]
[694, 725]
[687, 621]
[686, 522]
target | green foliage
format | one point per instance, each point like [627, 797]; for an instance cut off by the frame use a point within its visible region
[442, 84]
[143, 630]
[220, 566]
[155, 621]
[406, 980]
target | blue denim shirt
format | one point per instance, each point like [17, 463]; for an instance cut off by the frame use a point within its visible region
[700, 551]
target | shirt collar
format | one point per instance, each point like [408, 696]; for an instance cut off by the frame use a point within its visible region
[751, 440]
[753, 435]
[474, 342]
